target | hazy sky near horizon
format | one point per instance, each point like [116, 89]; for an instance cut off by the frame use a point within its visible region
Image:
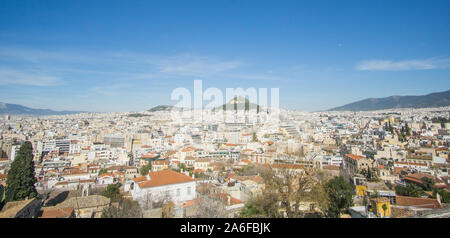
[130, 55]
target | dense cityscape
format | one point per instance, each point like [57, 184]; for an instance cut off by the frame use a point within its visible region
[228, 116]
[387, 163]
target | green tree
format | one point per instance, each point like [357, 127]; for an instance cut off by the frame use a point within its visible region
[255, 138]
[408, 130]
[340, 194]
[427, 183]
[21, 177]
[145, 169]
[445, 196]
[4, 196]
[112, 191]
[384, 207]
[252, 209]
[102, 171]
[411, 190]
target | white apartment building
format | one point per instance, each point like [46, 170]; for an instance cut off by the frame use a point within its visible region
[169, 184]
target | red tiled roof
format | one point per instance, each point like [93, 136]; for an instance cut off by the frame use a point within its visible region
[191, 203]
[224, 197]
[150, 156]
[60, 212]
[417, 202]
[161, 178]
[354, 157]
[398, 170]
[106, 174]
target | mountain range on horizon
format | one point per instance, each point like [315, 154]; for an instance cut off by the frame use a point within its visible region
[437, 99]
[16, 109]
[236, 103]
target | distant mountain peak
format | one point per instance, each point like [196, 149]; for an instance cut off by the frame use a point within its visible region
[238, 103]
[160, 108]
[438, 99]
[16, 109]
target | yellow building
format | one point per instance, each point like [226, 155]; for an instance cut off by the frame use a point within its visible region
[381, 206]
[361, 190]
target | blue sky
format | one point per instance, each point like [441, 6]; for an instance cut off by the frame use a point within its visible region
[129, 56]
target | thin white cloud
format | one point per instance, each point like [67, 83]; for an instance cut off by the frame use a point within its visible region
[388, 65]
[187, 65]
[257, 77]
[118, 67]
[14, 77]
[110, 90]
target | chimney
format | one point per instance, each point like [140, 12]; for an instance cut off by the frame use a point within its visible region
[148, 176]
[229, 200]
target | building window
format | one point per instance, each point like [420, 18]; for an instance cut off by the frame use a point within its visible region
[178, 192]
[189, 190]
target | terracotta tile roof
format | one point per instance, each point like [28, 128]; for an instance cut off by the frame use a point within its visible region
[188, 149]
[417, 202]
[106, 174]
[56, 212]
[150, 156]
[398, 170]
[161, 178]
[441, 149]
[140, 179]
[354, 157]
[190, 203]
[421, 175]
[118, 173]
[224, 198]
